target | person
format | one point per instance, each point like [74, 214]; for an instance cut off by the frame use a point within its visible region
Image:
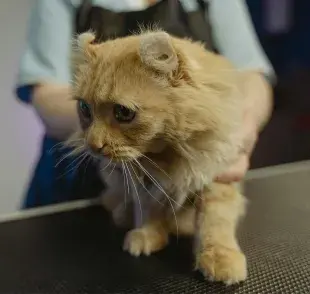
[44, 82]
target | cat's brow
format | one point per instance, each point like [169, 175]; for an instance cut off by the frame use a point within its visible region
[102, 93]
[109, 101]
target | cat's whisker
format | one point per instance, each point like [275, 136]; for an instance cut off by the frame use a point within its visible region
[166, 174]
[87, 163]
[62, 145]
[73, 152]
[125, 180]
[187, 153]
[128, 188]
[84, 156]
[155, 164]
[59, 145]
[106, 165]
[111, 171]
[137, 195]
[74, 142]
[156, 182]
[163, 191]
[141, 182]
[74, 160]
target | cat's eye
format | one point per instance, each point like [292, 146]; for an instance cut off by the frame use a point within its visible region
[123, 114]
[85, 109]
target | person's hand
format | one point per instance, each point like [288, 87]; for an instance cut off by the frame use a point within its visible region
[256, 113]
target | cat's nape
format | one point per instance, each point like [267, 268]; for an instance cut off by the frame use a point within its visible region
[166, 111]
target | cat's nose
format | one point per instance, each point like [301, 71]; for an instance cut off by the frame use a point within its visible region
[96, 147]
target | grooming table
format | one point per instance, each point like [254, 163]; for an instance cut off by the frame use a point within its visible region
[74, 248]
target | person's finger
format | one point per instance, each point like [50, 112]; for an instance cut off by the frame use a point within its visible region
[236, 172]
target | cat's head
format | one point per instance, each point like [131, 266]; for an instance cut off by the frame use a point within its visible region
[138, 94]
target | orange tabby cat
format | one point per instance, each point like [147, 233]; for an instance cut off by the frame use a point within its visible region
[166, 112]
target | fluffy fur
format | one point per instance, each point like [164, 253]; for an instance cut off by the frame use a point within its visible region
[188, 110]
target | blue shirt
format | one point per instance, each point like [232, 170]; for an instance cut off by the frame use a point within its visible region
[46, 59]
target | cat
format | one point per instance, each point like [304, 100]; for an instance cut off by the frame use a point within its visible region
[163, 115]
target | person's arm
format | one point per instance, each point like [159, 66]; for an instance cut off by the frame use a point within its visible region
[235, 37]
[56, 108]
[45, 67]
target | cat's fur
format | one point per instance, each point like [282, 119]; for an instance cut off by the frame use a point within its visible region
[188, 110]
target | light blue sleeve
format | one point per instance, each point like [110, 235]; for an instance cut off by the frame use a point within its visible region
[235, 36]
[46, 56]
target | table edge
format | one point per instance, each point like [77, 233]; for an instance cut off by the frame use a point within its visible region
[254, 174]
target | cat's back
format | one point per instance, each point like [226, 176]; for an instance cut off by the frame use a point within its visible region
[204, 62]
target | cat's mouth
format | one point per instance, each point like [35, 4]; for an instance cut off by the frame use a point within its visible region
[116, 155]
[115, 158]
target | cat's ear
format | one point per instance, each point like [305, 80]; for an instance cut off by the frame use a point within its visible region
[85, 42]
[83, 50]
[83, 47]
[157, 51]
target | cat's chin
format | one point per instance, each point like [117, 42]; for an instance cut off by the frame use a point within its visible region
[117, 159]
[109, 157]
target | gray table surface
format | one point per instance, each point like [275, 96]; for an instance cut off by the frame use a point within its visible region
[275, 236]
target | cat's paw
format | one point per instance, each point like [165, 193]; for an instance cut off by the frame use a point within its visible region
[221, 264]
[144, 241]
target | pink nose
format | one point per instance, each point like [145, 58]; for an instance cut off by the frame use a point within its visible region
[96, 147]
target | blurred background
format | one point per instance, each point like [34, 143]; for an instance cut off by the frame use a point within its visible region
[283, 27]
[19, 128]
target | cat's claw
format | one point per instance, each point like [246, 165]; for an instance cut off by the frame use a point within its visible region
[222, 264]
[143, 241]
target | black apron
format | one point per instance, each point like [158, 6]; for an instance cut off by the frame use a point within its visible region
[168, 15]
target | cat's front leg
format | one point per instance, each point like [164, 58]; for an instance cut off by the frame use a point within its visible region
[151, 231]
[151, 237]
[218, 255]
